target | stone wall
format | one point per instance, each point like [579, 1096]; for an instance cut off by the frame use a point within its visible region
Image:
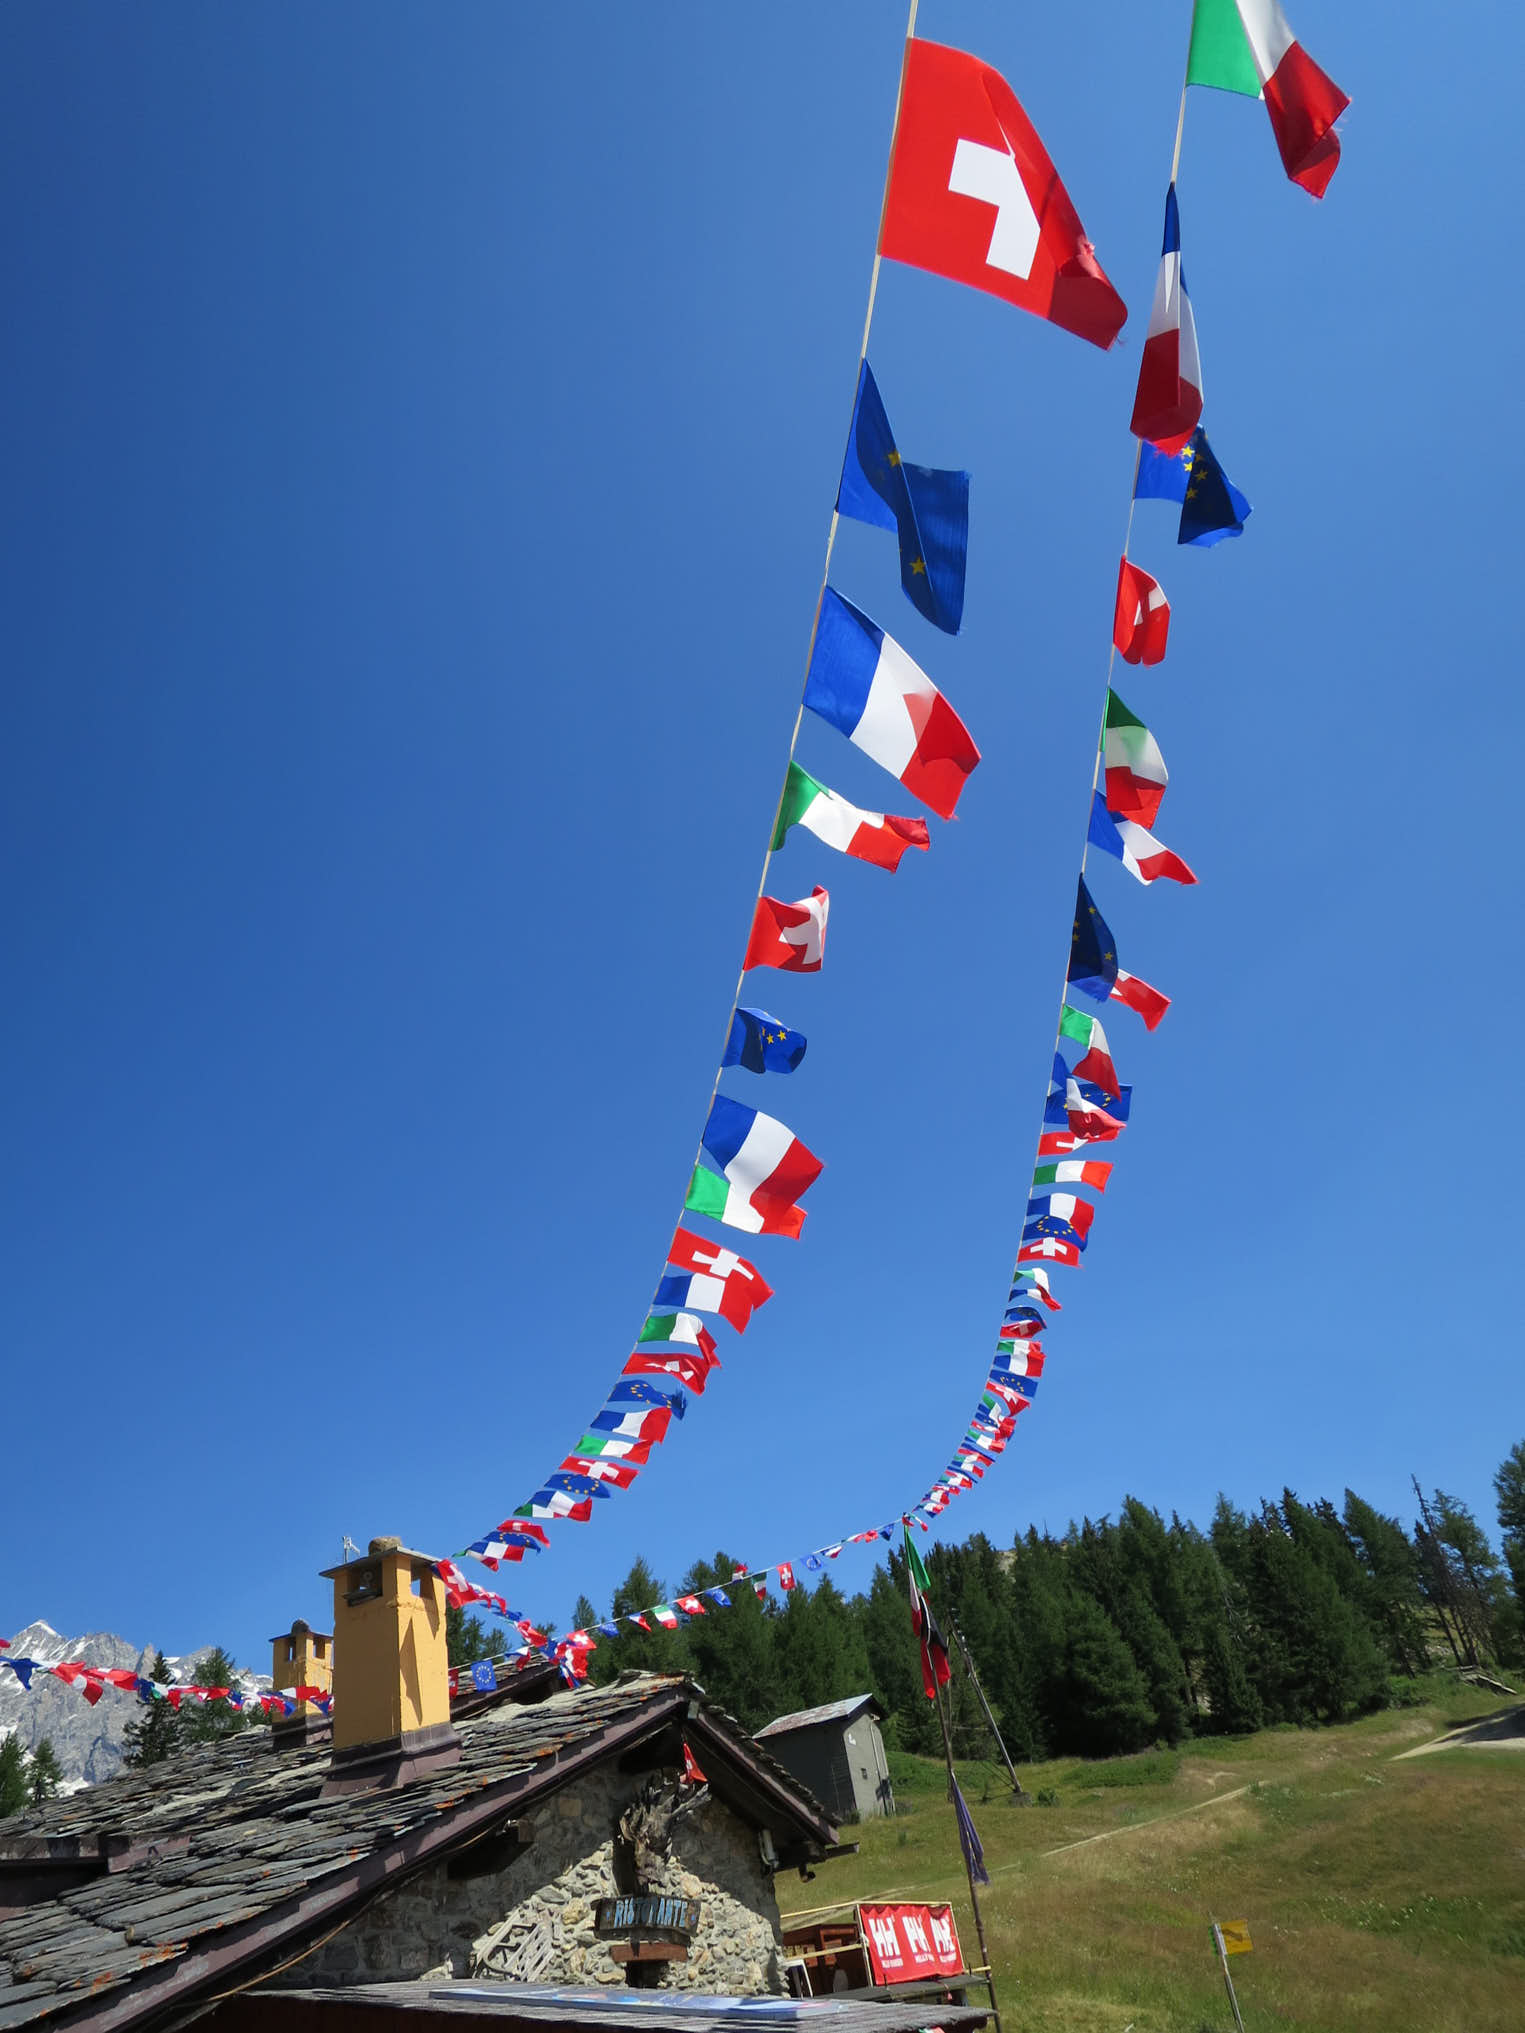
[436, 1925]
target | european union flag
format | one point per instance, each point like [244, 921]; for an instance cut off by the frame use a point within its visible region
[636, 1391]
[578, 1486]
[1093, 950]
[1054, 1111]
[761, 1044]
[1211, 505]
[927, 506]
[483, 1676]
[1055, 1225]
[1016, 1315]
[1162, 476]
[1213, 508]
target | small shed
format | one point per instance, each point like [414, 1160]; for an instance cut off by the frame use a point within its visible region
[836, 1750]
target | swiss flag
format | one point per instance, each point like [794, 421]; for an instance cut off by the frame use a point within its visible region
[1142, 621]
[973, 196]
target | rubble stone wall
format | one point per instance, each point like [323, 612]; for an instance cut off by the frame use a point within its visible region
[436, 1925]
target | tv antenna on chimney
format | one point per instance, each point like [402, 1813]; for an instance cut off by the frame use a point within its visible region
[346, 1547]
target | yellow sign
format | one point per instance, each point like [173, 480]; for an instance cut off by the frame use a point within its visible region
[1235, 1936]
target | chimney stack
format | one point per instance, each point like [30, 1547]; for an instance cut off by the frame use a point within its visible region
[302, 1657]
[391, 1683]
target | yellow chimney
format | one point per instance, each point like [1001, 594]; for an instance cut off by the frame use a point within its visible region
[391, 1682]
[302, 1657]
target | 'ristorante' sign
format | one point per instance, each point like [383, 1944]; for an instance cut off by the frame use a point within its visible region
[638, 1913]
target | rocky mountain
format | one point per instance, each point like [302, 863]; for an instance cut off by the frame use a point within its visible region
[88, 1740]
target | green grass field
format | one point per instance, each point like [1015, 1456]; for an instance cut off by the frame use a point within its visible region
[1379, 1894]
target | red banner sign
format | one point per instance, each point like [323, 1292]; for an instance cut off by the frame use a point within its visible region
[909, 1942]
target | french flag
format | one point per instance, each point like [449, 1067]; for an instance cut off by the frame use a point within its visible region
[865, 685]
[764, 1167]
[1168, 405]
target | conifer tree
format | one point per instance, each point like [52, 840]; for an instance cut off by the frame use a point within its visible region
[208, 1722]
[44, 1773]
[156, 1733]
[466, 1638]
[1233, 1706]
[1509, 1487]
[1387, 1554]
[733, 1649]
[14, 1791]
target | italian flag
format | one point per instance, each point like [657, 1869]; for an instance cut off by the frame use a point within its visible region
[687, 1330]
[1136, 772]
[935, 1670]
[1096, 1066]
[1032, 1284]
[1245, 46]
[665, 1616]
[866, 836]
[603, 1446]
[1075, 1172]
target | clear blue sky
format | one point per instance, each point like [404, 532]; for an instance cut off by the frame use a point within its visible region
[418, 432]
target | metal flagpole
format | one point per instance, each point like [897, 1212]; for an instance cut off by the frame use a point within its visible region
[963, 1653]
[974, 1896]
[1227, 1977]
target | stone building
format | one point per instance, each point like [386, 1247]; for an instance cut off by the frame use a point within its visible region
[402, 1843]
[836, 1750]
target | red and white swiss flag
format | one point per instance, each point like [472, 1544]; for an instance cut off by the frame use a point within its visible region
[973, 196]
[1141, 624]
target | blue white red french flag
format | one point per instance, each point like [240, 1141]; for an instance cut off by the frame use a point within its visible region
[1168, 404]
[763, 1170]
[862, 682]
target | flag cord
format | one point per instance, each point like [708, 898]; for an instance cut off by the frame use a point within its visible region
[1101, 731]
[815, 622]
[831, 539]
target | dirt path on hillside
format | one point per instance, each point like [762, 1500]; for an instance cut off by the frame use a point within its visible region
[1502, 1732]
[1133, 1828]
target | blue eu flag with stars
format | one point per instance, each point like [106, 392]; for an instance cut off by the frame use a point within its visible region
[1212, 507]
[927, 506]
[762, 1044]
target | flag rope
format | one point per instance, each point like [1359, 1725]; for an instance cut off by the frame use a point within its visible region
[799, 715]
[815, 621]
[1096, 761]
[1101, 728]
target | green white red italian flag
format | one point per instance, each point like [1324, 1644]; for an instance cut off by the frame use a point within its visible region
[1246, 46]
[866, 836]
[1135, 770]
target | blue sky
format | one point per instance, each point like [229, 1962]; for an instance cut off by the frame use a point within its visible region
[417, 442]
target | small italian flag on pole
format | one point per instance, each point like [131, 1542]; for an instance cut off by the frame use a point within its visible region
[935, 1671]
[1246, 46]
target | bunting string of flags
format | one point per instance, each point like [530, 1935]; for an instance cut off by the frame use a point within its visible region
[970, 195]
[93, 1681]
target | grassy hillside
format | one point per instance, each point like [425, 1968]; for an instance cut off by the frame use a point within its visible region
[1380, 1894]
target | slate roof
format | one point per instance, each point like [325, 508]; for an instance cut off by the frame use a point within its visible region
[830, 1711]
[546, 2005]
[224, 1860]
